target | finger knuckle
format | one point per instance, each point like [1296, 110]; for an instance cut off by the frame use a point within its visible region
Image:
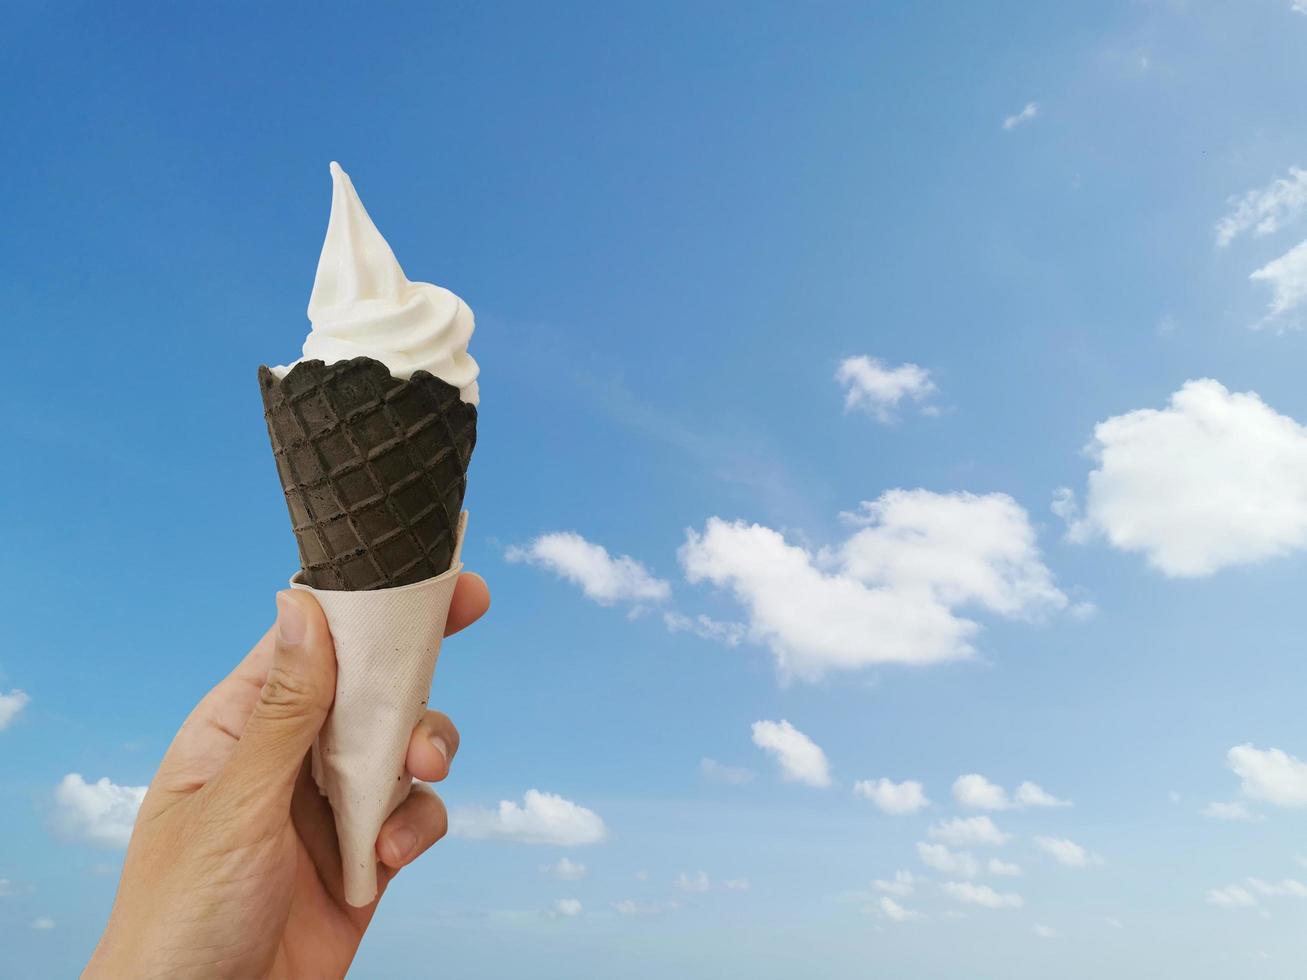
[286, 694]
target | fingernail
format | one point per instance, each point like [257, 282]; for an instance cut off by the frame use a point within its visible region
[442, 748]
[291, 624]
[401, 844]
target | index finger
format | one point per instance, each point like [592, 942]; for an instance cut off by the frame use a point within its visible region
[470, 602]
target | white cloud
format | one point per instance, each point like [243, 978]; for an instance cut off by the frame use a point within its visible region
[1270, 775]
[565, 870]
[11, 705]
[736, 884]
[603, 578]
[1067, 852]
[891, 797]
[1285, 888]
[1287, 277]
[697, 882]
[800, 758]
[1113, 922]
[714, 772]
[940, 858]
[901, 885]
[1043, 931]
[893, 911]
[6, 887]
[1027, 113]
[630, 907]
[976, 792]
[1216, 479]
[1032, 794]
[1299, 6]
[891, 592]
[962, 831]
[100, 812]
[566, 908]
[1233, 897]
[43, 924]
[1237, 810]
[983, 895]
[543, 818]
[1005, 869]
[1265, 210]
[879, 389]
[706, 628]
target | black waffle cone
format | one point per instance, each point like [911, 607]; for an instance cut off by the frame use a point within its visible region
[374, 470]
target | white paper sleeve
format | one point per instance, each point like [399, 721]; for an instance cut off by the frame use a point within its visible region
[387, 642]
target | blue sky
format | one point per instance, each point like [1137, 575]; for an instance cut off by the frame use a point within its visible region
[676, 226]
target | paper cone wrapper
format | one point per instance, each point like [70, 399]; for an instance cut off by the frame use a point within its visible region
[387, 642]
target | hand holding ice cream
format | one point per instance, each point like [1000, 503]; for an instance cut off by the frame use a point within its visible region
[372, 432]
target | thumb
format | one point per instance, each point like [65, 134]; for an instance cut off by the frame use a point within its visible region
[292, 705]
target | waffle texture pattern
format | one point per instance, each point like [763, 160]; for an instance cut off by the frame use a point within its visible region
[374, 470]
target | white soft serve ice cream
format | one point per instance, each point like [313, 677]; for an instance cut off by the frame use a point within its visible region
[363, 305]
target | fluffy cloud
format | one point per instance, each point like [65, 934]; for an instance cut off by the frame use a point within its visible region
[982, 895]
[565, 870]
[1270, 775]
[1005, 869]
[978, 793]
[1032, 794]
[1213, 480]
[1067, 852]
[736, 884]
[11, 705]
[800, 758]
[101, 812]
[891, 592]
[1043, 932]
[714, 772]
[940, 858]
[893, 911]
[1287, 277]
[872, 385]
[602, 577]
[697, 882]
[901, 885]
[1028, 112]
[566, 908]
[962, 831]
[891, 797]
[43, 924]
[1265, 210]
[1229, 811]
[543, 818]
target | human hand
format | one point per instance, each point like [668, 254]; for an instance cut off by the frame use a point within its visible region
[233, 868]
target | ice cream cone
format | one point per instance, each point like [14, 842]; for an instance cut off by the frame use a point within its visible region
[372, 431]
[373, 468]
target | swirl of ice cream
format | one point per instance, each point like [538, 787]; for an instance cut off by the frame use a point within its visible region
[363, 305]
